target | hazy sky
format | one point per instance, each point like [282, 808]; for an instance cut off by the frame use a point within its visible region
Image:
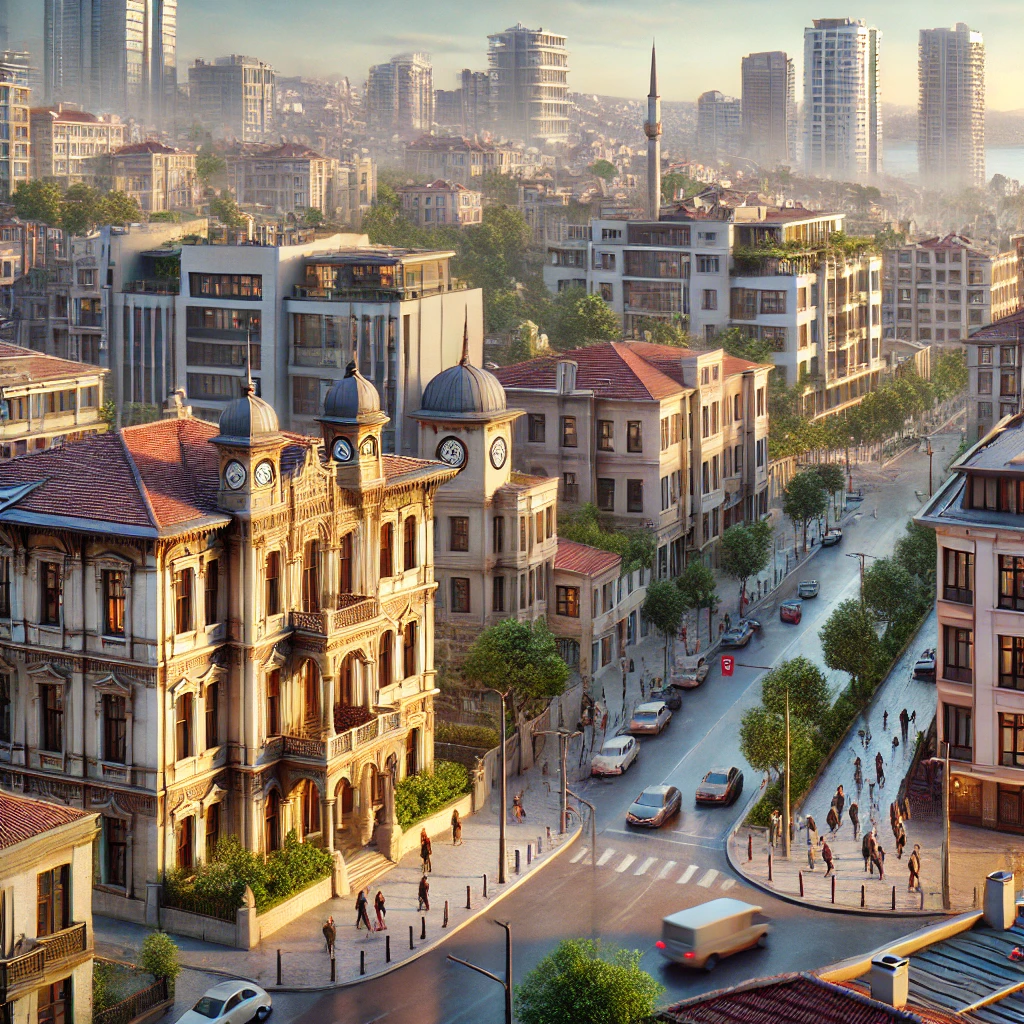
[700, 43]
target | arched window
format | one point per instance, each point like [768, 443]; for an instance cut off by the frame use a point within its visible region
[271, 822]
[385, 666]
[311, 577]
[409, 559]
[345, 565]
[310, 809]
[409, 650]
[387, 550]
[310, 692]
[347, 681]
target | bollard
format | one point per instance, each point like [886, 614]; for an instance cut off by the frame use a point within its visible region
[529, 854]
[485, 891]
[769, 867]
[862, 896]
[549, 834]
[800, 874]
[894, 897]
[750, 847]
[279, 967]
[423, 927]
[469, 898]
[540, 847]
[362, 963]
[922, 898]
[974, 904]
[411, 945]
[334, 965]
[833, 888]
[445, 925]
[387, 949]
[517, 862]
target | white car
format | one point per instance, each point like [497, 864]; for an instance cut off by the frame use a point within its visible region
[616, 755]
[230, 1002]
[650, 718]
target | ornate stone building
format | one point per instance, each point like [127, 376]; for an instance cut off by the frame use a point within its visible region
[222, 630]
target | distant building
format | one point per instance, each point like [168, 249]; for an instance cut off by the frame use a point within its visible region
[842, 109]
[769, 108]
[15, 131]
[158, 177]
[441, 202]
[233, 97]
[460, 160]
[995, 355]
[400, 94]
[719, 125]
[67, 141]
[951, 108]
[477, 108]
[529, 88]
[448, 109]
[290, 178]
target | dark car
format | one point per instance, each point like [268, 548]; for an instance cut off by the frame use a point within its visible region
[924, 667]
[738, 636]
[791, 610]
[808, 588]
[720, 786]
[654, 806]
[670, 695]
[833, 537]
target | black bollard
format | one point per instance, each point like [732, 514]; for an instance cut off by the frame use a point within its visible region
[469, 898]
[485, 890]
[362, 963]
[769, 867]
[922, 899]
[833, 888]
[894, 897]
[862, 896]
[279, 967]
[529, 854]
[423, 927]
[411, 944]
[445, 925]
[540, 848]
[334, 965]
[517, 862]
[750, 847]
[801, 875]
[387, 949]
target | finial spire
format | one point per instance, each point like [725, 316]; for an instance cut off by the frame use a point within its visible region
[464, 361]
[654, 70]
[249, 387]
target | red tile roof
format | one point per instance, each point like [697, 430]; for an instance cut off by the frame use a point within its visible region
[286, 151]
[583, 559]
[23, 365]
[1006, 328]
[149, 146]
[22, 818]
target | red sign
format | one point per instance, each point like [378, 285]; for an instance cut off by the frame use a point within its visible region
[728, 664]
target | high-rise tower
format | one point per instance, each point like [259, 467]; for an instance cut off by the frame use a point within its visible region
[768, 105]
[652, 129]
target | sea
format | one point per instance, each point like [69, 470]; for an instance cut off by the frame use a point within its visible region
[901, 160]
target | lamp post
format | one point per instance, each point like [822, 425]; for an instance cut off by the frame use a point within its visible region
[785, 789]
[502, 852]
[506, 982]
[931, 452]
[563, 745]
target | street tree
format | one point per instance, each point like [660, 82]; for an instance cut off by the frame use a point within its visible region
[499, 188]
[226, 210]
[79, 209]
[850, 644]
[697, 585]
[745, 551]
[833, 479]
[888, 589]
[763, 740]
[118, 208]
[587, 982]
[603, 169]
[573, 319]
[950, 376]
[663, 608]
[38, 200]
[209, 165]
[804, 499]
[917, 551]
[809, 695]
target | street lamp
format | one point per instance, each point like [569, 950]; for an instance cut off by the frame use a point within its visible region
[506, 982]
[563, 744]
[502, 852]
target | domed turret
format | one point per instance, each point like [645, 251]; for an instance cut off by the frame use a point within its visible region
[247, 419]
[463, 391]
[351, 399]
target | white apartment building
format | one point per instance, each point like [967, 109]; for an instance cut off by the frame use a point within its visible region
[400, 94]
[234, 97]
[995, 355]
[842, 99]
[290, 178]
[719, 126]
[67, 140]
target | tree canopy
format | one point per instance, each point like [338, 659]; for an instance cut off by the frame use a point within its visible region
[78, 210]
[603, 169]
[804, 499]
[584, 525]
[663, 608]
[850, 644]
[917, 551]
[38, 200]
[887, 586]
[226, 210]
[809, 696]
[746, 550]
[697, 585]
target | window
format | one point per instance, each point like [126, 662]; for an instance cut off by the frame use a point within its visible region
[549, 522]
[956, 646]
[52, 702]
[460, 595]
[5, 588]
[183, 727]
[53, 900]
[212, 699]
[212, 830]
[115, 729]
[567, 601]
[709, 298]
[984, 410]
[274, 703]
[634, 436]
[522, 533]
[1011, 582]
[984, 382]
[498, 594]
[959, 576]
[273, 584]
[184, 836]
[605, 436]
[707, 264]
[634, 495]
[773, 302]
[985, 356]
[50, 578]
[606, 650]
[606, 495]
[226, 286]
[1007, 383]
[311, 576]
[568, 431]
[1011, 731]
[458, 527]
[115, 841]
[54, 1003]
[113, 603]
[737, 408]
[271, 821]
[409, 547]
[183, 618]
[958, 732]
[5, 714]
[409, 650]
[535, 427]
[387, 550]
[570, 488]
[385, 658]
[211, 593]
[310, 815]
[498, 534]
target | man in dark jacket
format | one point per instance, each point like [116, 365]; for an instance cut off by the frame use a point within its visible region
[855, 819]
[914, 867]
[361, 916]
[839, 802]
[424, 894]
[330, 933]
[867, 847]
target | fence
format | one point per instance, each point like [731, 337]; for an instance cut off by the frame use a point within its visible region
[135, 1006]
[205, 906]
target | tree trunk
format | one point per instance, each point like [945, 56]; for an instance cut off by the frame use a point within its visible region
[805, 535]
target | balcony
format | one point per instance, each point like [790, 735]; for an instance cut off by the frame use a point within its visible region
[153, 286]
[353, 294]
[334, 357]
[19, 974]
[353, 611]
[321, 750]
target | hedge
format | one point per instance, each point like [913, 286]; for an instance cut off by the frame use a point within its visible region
[482, 736]
[418, 796]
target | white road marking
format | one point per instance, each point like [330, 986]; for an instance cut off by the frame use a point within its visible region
[626, 861]
[687, 874]
[605, 857]
[646, 866]
[666, 870]
[707, 878]
[579, 856]
[728, 884]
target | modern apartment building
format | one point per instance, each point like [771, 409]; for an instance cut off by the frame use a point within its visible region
[233, 97]
[995, 356]
[460, 160]
[220, 629]
[656, 436]
[400, 94]
[441, 202]
[15, 131]
[529, 90]
[769, 108]
[977, 515]
[939, 290]
[68, 143]
[951, 108]
[719, 126]
[842, 112]
[290, 178]
[160, 178]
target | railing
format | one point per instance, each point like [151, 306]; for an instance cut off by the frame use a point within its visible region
[205, 906]
[134, 1006]
[90, 320]
[302, 746]
[154, 286]
[30, 967]
[355, 609]
[343, 742]
[303, 291]
[333, 357]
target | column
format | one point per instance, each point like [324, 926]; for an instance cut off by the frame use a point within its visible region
[329, 823]
[328, 705]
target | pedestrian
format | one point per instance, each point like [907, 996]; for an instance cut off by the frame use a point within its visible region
[858, 774]
[832, 820]
[518, 811]
[913, 717]
[728, 621]
[381, 910]
[839, 802]
[361, 915]
[424, 894]
[865, 848]
[456, 828]
[774, 827]
[914, 867]
[885, 720]
[623, 665]
[812, 841]
[880, 770]
[878, 860]
[895, 744]
[425, 850]
[901, 840]
[330, 934]
[826, 856]
[643, 677]
[854, 813]
[904, 725]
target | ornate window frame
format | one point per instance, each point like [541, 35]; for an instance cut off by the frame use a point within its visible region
[112, 685]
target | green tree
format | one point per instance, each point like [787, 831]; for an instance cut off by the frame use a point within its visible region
[118, 208]
[809, 695]
[584, 525]
[950, 375]
[312, 217]
[850, 644]
[888, 589]
[499, 188]
[697, 585]
[917, 551]
[159, 956]
[226, 210]
[209, 165]
[663, 332]
[663, 608]
[518, 656]
[80, 209]
[603, 169]
[833, 479]
[38, 200]
[670, 183]
[763, 744]
[586, 982]
[804, 499]
[738, 344]
[745, 551]
[577, 319]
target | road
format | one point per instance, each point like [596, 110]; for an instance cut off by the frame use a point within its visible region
[641, 877]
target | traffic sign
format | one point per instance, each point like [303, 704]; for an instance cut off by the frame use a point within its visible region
[728, 664]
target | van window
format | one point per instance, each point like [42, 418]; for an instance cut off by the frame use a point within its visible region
[679, 934]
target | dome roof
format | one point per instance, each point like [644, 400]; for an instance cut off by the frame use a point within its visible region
[352, 397]
[464, 390]
[248, 418]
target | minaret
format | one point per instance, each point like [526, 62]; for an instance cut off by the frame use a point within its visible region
[652, 129]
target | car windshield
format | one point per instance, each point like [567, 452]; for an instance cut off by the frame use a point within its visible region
[650, 799]
[208, 1007]
[717, 779]
[612, 749]
[646, 716]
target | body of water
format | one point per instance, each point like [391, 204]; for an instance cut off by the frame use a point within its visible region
[901, 160]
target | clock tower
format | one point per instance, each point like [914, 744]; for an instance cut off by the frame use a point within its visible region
[352, 424]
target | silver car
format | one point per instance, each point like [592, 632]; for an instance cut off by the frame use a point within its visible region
[230, 1002]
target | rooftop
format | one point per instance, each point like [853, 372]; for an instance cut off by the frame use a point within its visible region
[584, 559]
[450, 144]
[377, 255]
[23, 818]
[954, 241]
[149, 146]
[1007, 328]
[441, 185]
[22, 366]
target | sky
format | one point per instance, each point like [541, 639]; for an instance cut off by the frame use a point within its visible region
[700, 43]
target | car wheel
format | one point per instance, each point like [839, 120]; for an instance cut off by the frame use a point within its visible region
[711, 963]
[762, 942]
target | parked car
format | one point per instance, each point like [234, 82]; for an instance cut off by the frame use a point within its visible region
[854, 496]
[720, 786]
[615, 756]
[650, 718]
[688, 673]
[924, 667]
[832, 537]
[738, 636]
[808, 588]
[654, 806]
[670, 695]
[701, 936]
[791, 610]
[755, 624]
[230, 1002]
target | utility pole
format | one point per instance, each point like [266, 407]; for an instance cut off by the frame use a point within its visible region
[945, 830]
[931, 452]
[593, 826]
[506, 982]
[785, 788]
[502, 851]
[563, 746]
[861, 555]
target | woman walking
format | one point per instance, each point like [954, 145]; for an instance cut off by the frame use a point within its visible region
[812, 841]
[832, 820]
[382, 911]
[424, 894]
[456, 828]
[826, 856]
[425, 850]
[854, 813]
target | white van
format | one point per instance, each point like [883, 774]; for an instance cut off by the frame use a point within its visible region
[702, 935]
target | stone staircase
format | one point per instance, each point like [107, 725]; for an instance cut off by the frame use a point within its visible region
[365, 866]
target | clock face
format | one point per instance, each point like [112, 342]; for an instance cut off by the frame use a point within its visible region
[368, 447]
[499, 452]
[264, 473]
[452, 451]
[342, 449]
[234, 475]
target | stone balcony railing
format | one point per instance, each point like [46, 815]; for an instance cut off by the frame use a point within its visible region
[27, 970]
[343, 743]
[353, 611]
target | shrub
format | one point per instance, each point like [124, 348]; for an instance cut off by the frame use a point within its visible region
[102, 976]
[482, 736]
[159, 956]
[419, 795]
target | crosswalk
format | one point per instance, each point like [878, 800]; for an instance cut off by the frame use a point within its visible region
[655, 868]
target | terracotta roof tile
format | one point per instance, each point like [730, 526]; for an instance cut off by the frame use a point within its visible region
[20, 365]
[22, 818]
[584, 559]
[149, 146]
[1004, 329]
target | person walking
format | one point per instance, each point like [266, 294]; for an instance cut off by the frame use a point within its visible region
[901, 839]
[826, 856]
[858, 775]
[330, 934]
[839, 802]
[867, 848]
[832, 820]
[854, 813]
[424, 894]
[914, 867]
[361, 915]
[425, 850]
[904, 725]
[381, 910]
[456, 828]
[880, 770]
[812, 841]
[885, 720]
[878, 860]
[773, 828]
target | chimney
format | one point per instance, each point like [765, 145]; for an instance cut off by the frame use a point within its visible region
[1000, 906]
[175, 407]
[565, 376]
[890, 980]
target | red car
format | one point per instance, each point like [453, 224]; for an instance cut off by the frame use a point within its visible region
[791, 611]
